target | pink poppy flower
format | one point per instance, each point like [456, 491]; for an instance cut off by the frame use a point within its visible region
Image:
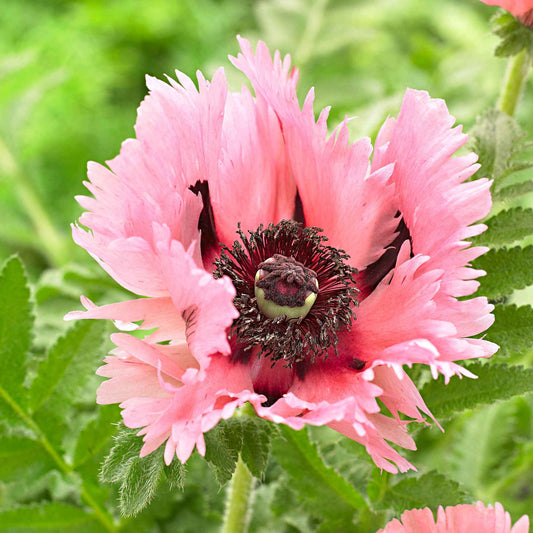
[310, 326]
[521, 9]
[458, 519]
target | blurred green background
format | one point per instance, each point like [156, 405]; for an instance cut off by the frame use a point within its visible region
[72, 76]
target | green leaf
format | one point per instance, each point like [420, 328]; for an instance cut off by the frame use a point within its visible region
[125, 450]
[428, 490]
[324, 492]
[514, 191]
[483, 449]
[139, 477]
[22, 456]
[245, 435]
[49, 515]
[512, 329]
[16, 322]
[496, 138]
[140, 483]
[507, 269]
[514, 35]
[96, 434]
[66, 378]
[494, 382]
[60, 373]
[175, 474]
[507, 227]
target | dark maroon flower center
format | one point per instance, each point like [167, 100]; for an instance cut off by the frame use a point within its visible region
[291, 265]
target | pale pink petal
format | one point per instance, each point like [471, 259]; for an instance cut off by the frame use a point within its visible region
[328, 170]
[476, 518]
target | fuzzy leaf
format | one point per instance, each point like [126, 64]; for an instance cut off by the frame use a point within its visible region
[495, 382]
[139, 477]
[512, 329]
[175, 474]
[125, 450]
[96, 434]
[507, 227]
[496, 138]
[16, 322]
[507, 269]
[47, 515]
[428, 490]
[514, 35]
[324, 492]
[140, 483]
[245, 435]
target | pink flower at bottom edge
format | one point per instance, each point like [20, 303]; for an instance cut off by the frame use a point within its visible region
[379, 286]
[458, 519]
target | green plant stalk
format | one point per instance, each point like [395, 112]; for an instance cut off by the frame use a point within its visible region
[240, 494]
[53, 244]
[237, 515]
[67, 469]
[516, 75]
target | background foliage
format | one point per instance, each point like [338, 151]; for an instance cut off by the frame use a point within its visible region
[71, 76]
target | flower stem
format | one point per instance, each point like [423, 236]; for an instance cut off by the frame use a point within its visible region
[240, 494]
[515, 77]
[237, 515]
[52, 243]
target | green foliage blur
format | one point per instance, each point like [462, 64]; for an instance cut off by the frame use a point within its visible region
[72, 75]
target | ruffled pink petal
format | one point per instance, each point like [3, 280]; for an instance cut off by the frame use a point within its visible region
[191, 410]
[254, 184]
[328, 170]
[437, 205]
[408, 320]
[458, 519]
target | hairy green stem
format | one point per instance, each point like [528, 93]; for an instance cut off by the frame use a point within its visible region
[52, 243]
[515, 78]
[240, 493]
[237, 515]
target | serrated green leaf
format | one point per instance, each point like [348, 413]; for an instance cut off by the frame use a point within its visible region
[495, 382]
[245, 435]
[139, 477]
[17, 456]
[428, 490]
[512, 329]
[140, 483]
[515, 37]
[324, 492]
[256, 434]
[127, 447]
[507, 227]
[70, 367]
[96, 434]
[496, 138]
[514, 191]
[49, 515]
[54, 375]
[507, 269]
[16, 322]
[175, 474]
[222, 451]
[480, 452]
